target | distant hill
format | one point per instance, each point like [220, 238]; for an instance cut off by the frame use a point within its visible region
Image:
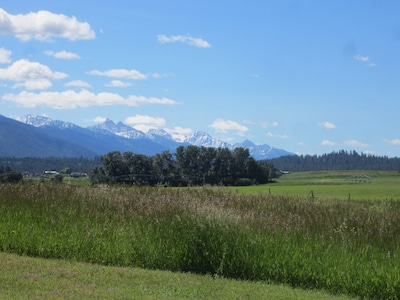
[39, 136]
[19, 140]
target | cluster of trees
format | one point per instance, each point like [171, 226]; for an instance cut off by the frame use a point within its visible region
[342, 160]
[190, 165]
[9, 176]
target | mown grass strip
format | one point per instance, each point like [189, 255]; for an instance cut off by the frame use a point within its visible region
[24, 277]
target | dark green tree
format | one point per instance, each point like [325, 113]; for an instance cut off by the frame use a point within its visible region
[115, 164]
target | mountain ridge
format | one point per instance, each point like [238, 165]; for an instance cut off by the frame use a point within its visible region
[110, 136]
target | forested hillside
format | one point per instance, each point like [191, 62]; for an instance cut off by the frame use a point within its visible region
[342, 160]
[37, 165]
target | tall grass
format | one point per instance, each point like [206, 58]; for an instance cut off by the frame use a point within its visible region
[343, 246]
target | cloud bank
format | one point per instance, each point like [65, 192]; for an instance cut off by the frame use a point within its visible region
[120, 73]
[71, 99]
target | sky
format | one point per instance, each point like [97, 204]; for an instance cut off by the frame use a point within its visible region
[307, 76]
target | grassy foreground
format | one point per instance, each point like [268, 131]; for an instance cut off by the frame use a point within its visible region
[37, 278]
[342, 246]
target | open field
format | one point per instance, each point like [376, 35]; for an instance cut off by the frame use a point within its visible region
[356, 185]
[339, 245]
[24, 277]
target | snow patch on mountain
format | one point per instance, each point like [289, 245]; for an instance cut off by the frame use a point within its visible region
[201, 138]
[119, 129]
[41, 121]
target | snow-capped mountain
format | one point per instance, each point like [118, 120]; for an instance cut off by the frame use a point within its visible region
[262, 150]
[201, 138]
[110, 136]
[40, 121]
[119, 129]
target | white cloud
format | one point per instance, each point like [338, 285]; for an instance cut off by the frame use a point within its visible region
[393, 142]
[33, 75]
[143, 119]
[271, 124]
[99, 119]
[78, 83]
[118, 83]
[34, 84]
[327, 125]
[223, 126]
[327, 143]
[62, 55]
[44, 25]
[279, 136]
[355, 143]
[197, 42]
[179, 129]
[158, 75]
[120, 73]
[365, 60]
[369, 152]
[71, 99]
[179, 133]
[5, 56]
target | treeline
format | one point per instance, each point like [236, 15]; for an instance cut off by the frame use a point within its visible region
[190, 165]
[37, 165]
[342, 160]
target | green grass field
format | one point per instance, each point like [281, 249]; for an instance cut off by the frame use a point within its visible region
[333, 185]
[278, 233]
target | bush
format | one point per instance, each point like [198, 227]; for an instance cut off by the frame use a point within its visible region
[11, 177]
[244, 182]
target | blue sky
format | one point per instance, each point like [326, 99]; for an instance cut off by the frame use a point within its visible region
[310, 77]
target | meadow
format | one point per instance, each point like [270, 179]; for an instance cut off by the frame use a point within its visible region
[261, 234]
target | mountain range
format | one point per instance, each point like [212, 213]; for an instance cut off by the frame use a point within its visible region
[40, 136]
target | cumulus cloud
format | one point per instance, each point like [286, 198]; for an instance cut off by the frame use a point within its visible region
[120, 73]
[99, 119]
[225, 125]
[143, 119]
[145, 123]
[179, 133]
[393, 142]
[62, 55]
[365, 60]
[270, 124]
[44, 25]
[34, 84]
[118, 83]
[71, 99]
[355, 143]
[79, 83]
[197, 42]
[327, 143]
[327, 125]
[279, 136]
[33, 75]
[5, 56]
